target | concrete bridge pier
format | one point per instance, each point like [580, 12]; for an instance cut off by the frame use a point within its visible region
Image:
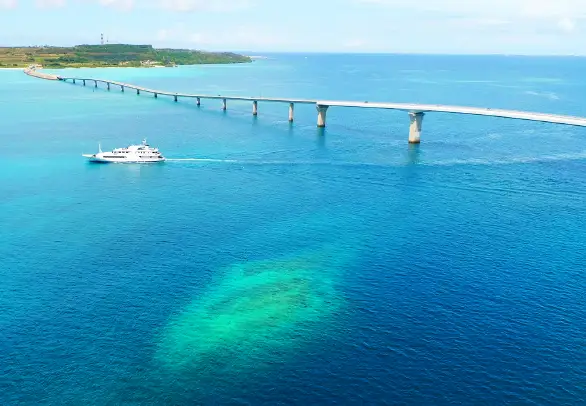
[84, 82]
[175, 98]
[73, 81]
[122, 89]
[291, 112]
[137, 91]
[108, 85]
[224, 104]
[156, 96]
[96, 84]
[255, 108]
[198, 102]
[321, 115]
[415, 127]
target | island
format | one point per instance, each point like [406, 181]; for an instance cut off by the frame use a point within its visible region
[111, 55]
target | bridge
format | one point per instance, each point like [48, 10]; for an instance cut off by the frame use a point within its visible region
[416, 111]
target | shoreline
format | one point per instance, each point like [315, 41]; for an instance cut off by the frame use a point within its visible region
[126, 67]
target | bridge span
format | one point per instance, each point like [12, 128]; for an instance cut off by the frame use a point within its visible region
[416, 111]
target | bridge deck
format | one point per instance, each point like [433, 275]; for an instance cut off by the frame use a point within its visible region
[408, 107]
[193, 95]
[478, 111]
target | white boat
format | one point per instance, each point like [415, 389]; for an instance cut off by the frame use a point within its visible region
[142, 153]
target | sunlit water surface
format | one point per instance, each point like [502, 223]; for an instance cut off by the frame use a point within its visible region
[270, 263]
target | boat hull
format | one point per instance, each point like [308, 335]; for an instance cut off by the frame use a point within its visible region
[100, 160]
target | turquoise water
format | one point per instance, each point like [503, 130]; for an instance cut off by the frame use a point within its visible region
[269, 263]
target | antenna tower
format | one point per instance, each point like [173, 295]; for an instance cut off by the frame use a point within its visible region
[102, 39]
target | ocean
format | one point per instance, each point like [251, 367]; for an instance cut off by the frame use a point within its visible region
[275, 263]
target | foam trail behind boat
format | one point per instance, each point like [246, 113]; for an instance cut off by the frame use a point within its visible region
[201, 160]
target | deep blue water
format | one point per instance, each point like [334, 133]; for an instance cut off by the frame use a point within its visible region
[290, 265]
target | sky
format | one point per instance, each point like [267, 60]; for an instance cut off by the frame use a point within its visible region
[525, 27]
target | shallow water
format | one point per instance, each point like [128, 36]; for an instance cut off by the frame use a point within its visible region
[267, 262]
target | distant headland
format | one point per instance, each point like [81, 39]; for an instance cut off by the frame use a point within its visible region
[111, 55]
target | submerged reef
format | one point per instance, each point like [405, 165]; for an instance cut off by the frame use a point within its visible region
[255, 312]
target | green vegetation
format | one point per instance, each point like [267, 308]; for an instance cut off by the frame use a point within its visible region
[95, 56]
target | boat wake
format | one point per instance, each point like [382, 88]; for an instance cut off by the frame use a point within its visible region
[253, 162]
[441, 162]
[201, 160]
[510, 161]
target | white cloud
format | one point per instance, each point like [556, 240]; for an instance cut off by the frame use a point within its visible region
[162, 35]
[180, 6]
[552, 9]
[478, 23]
[564, 14]
[355, 43]
[527, 7]
[196, 38]
[50, 3]
[567, 25]
[204, 5]
[491, 9]
[8, 4]
[478, 26]
[236, 37]
[124, 5]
